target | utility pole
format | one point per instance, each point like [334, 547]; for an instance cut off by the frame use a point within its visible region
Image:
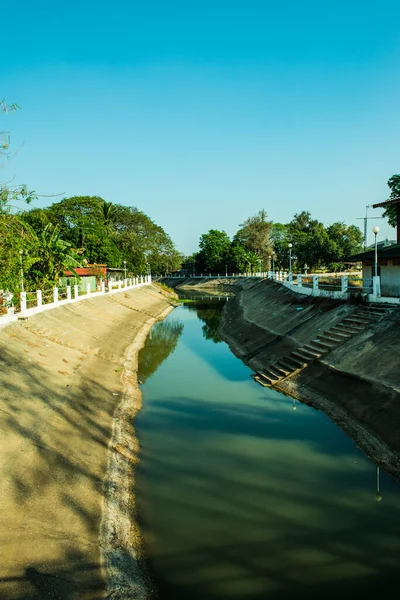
[365, 219]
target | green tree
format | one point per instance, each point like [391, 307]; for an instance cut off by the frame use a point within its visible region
[214, 251]
[254, 235]
[391, 211]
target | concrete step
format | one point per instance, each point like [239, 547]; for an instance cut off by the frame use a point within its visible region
[357, 321]
[350, 327]
[313, 350]
[365, 316]
[334, 337]
[333, 342]
[261, 382]
[300, 356]
[324, 345]
[276, 371]
[265, 378]
[292, 362]
[271, 375]
[339, 333]
[286, 370]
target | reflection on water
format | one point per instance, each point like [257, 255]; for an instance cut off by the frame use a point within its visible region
[210, 313]
[242, 497]
[160, 343]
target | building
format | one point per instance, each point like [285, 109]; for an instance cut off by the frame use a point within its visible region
[388, 260]
[92, 274]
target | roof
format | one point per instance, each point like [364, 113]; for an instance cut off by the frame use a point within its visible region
[387, 203]
[390, 251]
[87, 271]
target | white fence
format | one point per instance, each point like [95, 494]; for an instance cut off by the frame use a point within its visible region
[41, 300]
[341, 287]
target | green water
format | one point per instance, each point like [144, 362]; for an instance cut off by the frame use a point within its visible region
[242, 497]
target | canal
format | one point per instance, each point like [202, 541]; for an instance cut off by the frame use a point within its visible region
[243, 493]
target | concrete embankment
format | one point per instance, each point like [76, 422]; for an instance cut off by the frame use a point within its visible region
[68, 448]
[357, 383]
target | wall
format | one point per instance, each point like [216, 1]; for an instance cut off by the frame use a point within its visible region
[390, 280]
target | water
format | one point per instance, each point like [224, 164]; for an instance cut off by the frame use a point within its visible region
[242, 497]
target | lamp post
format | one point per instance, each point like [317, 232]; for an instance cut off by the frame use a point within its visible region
[290, 257]
[226, 270]
[22, 270]
[125, 270]
[375, 231]
[273, 264]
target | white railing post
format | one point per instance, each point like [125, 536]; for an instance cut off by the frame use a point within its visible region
[376, 286]
[76, 291]
[39, 298]
[290, 277]
[125, 283]
[119, 284]
[103, 287]
[344, 284]
[315, 284]
[299, 281]
[68, 292]
[23, 301]
[110, 286]
[55, 295]
[88, 288]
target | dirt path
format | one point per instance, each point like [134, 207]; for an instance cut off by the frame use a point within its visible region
[61, 383]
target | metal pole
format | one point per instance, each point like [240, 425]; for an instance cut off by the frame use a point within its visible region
[376, 254]
[22, 271]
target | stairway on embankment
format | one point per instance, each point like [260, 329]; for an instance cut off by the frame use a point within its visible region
[353, 324]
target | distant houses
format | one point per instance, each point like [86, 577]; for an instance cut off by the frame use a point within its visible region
[93, 275]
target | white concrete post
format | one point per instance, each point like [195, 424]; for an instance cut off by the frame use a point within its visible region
[110, 286]
[315, 284]
[23, 301]
[55, 295]
[125, 283]
[344, 284]
[290, 277]
[76, 291]
[103, 287]
[68, 292]
[130, 282]
[39, 298]
[88, 288]
[376, 286]
[299, 281]
[150, 279]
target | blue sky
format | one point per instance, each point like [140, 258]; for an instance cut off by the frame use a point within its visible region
[202, 113]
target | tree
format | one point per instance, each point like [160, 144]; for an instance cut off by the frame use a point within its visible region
[391, 211]
[214, 251]
[346, 240]
[8, 191]
[254, 235]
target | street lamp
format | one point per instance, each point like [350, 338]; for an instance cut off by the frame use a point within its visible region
[375, 231]
[226, 270]
[22, 270]
[290, 257]
[125, 270]
[273, 264]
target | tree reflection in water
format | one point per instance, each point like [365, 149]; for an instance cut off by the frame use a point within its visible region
[210, 313]
[160, 343]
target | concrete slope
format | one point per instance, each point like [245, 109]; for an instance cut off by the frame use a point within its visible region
[60, 382]
[356, 382]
